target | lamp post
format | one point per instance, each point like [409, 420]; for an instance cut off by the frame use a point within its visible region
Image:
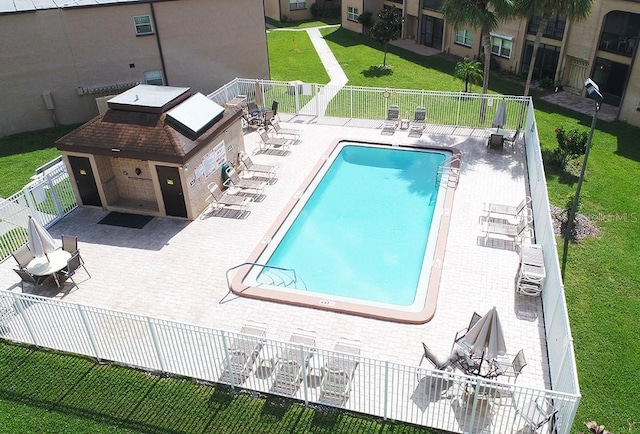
[593, 92]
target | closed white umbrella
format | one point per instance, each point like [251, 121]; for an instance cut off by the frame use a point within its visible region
[257, 86]
[40, 241]
[486, 336]
[500, 119]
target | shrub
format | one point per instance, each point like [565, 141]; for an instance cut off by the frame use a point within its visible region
[546, 83]
[315, 10]
[522, 75]
[571, 144]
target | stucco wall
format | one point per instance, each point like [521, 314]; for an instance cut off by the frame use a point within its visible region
[60, 50]
[196, 190]
[207, 45]
[352, 25]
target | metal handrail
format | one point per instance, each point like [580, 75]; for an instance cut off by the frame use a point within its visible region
[255, 264]
[454, 172]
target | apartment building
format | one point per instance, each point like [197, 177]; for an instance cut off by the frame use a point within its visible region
[603, 47]
[59, 56]
[295, 10]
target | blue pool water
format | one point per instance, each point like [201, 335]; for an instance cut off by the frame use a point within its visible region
[363, 231]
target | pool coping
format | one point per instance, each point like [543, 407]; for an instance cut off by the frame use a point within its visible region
[317, 302]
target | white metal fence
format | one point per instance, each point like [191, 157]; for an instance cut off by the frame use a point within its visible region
[48, 198]
[394, 391]
[370, 103]
[564, 376]
[442, 400]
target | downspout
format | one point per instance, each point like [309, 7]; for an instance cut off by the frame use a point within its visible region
[157, 32]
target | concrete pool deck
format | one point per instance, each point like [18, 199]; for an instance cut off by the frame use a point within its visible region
[173, 269]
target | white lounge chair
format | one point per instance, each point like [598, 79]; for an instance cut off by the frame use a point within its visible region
[390, 124]
[275, 143]
[234, 180]
[292, 363]
[250, 166]
[338, 373]
[279, 131]
[517, 231]
[243, 352]
[507, 210]
[218, 199]
[418, 124]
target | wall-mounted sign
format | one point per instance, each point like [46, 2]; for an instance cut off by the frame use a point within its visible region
[213, 159]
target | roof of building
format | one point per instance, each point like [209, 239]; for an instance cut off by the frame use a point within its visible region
[141, 136]
[12, 6]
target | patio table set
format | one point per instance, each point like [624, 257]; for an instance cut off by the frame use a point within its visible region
[253, 116]
[40, 260]
[479, 350]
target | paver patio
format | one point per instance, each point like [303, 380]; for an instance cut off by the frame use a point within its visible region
[173, 269]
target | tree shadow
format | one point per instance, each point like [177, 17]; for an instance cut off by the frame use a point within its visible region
[377, 71]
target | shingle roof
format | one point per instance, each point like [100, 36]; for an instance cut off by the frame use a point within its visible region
[13, 6]
[142, 136]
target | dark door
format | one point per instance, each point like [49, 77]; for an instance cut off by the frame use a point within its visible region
[82, 173]
[171, 188]
[432, 29]
[612, 79]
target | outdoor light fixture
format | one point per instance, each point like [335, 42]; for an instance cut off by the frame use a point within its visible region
[593, 92]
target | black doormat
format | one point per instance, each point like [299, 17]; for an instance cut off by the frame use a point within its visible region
[124, 220]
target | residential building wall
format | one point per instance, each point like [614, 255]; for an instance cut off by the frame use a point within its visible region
[75, 54]
[582, 51]
[272, 9]
[354, 5]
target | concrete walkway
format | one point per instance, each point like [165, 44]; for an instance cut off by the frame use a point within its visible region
[337, 77]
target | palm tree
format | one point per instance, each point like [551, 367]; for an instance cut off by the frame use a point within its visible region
[470, 71]
[574, 10]
[482, 15]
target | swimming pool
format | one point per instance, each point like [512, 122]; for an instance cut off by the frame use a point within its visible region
[356, 234]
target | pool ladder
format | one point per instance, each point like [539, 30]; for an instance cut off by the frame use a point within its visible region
[275, 276]
[454, 172]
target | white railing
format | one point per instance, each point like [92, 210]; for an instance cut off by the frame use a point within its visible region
[48, 198]
[370, 103]
[443, 400]
[562, 366]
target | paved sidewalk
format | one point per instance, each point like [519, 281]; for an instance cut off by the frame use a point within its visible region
[337, 76]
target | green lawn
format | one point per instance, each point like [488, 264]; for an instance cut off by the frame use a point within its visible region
[21, 154]
[47, 392]
[601, 281]
[291, 54]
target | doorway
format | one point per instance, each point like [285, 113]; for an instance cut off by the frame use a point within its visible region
[171, 189]
[431, 32]
[85, 181]
[611, 77]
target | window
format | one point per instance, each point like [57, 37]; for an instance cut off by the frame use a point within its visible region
[295, 5]
[501, 45]
[464, 37]
[432, 5]
[352, 13]
[554, 30]
[143, 25]
[154, 77]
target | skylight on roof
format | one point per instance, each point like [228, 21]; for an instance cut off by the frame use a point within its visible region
[195, 115]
